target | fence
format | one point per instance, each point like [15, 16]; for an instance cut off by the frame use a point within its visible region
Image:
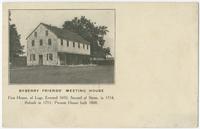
[103, 61]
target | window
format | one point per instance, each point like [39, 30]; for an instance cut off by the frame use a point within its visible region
[49, 42]
[78, 45]
[73, 44]
[35, 34]
[46, 32]
[87, 46]
[83, 46]
[61, 42]
[67, 43]
[33, 43]
[32, 57]
[49, 56]
[41, 42]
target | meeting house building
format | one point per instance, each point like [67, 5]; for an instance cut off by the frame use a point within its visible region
[50, 45]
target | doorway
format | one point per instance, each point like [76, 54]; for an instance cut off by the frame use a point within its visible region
[40, 59]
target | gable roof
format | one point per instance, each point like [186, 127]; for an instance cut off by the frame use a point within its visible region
[63, 34]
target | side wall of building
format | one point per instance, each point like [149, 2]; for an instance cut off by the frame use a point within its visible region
[83, 49]
[43, 49]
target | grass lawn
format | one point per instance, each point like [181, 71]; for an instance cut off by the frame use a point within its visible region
[62, 75]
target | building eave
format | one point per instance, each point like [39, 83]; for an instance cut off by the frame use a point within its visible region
[33, 31]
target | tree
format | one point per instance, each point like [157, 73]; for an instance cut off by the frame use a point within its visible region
[15, 47]
[90, 32]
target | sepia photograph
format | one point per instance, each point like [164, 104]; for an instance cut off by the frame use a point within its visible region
[61, 46]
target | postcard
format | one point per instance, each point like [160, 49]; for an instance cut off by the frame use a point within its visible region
[100, 65]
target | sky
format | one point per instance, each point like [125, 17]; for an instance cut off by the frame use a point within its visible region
[27, 20]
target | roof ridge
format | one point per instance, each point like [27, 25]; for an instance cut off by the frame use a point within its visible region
[49, 25]
[64, 33]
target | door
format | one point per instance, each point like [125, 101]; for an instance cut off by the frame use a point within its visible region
[40, 59]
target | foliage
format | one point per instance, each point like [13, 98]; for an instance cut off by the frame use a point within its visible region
[15, 47]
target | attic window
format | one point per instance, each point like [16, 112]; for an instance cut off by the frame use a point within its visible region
[83, 46]
[33, 42]
[87, 46]
[61, 42]
[46, 32]
[35, 34]
[68, 43]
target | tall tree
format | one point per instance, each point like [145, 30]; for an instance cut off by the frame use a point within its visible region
[90, 32]
[15, 47]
